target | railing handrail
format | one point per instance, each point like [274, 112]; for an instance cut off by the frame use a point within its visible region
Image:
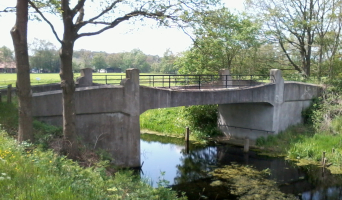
[188, 81]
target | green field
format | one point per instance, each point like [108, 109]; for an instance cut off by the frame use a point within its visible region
[36, 79]
[46, 78]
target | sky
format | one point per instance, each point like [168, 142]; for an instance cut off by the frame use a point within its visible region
[123, 38]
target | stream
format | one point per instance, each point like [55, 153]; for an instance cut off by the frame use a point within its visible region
[166, 161]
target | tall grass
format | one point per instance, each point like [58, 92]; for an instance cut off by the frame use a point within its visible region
[322, 132]
[163, 120]
[27, 173]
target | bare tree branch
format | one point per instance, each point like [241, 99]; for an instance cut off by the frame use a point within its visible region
[81, 16]
[105, 10]
[46, 20]
[78, 7]
[124, 18]
[9, 9]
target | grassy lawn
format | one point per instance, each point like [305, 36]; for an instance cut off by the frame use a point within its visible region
[46, 78]
[36, 79]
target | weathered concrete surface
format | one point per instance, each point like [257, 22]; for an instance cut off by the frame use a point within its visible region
[151, 98]
[284, 108]
[107, 116]
[86, 78]
[251, 120]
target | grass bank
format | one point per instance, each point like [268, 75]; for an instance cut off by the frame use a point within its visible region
[163, 120]
[30, 173]
[321, 133]
[33, 171]
[202, 121]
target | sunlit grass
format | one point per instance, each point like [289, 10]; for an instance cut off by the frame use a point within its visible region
[36, 79]
[163, 120]
[302, 142]
[29, 173]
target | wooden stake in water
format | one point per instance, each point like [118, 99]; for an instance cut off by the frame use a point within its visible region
[9, 93]
[323, 157]
[187, 135]
[246, 146]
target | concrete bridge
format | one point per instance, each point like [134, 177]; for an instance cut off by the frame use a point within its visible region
[107, 116]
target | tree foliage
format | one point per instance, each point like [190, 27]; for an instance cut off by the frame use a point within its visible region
[295, 25]
[6, 55]
[44, 56]
[219, 37]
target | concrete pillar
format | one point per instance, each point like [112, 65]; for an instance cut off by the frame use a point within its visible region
[86, 78]
[132, 124]
[276, 77]
[226, 79]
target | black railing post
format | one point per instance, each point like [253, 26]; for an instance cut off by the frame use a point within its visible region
[199, 82]
[153, 81]
[163, 80]
[106, 79]
[169, 81]
[226, 81]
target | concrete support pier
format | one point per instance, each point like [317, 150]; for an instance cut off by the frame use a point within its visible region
[257, 119]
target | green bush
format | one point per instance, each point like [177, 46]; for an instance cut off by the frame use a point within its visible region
[202, 120]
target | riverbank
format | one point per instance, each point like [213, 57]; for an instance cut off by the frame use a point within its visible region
[36, 171]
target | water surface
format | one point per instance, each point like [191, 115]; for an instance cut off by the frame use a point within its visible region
[167, 158]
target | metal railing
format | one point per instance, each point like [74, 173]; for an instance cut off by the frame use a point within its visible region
[108, 79]
[189, 81]
[202, 81]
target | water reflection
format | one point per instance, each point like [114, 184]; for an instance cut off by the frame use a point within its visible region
[189, 171]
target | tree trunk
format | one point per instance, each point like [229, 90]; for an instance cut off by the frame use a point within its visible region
[19, 37]
[68, 85]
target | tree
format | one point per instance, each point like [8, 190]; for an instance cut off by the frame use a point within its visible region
[115, 60]
[110, 15]
[45, 56]
[328, 28]
[6, 55]
[219, 37]
[19, 37]
[167, 64]
[295, 24]
[99, 61]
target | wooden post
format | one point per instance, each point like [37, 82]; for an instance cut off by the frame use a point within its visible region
[246, 146]
[187, 133]
[9, 93]
[323, 157]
